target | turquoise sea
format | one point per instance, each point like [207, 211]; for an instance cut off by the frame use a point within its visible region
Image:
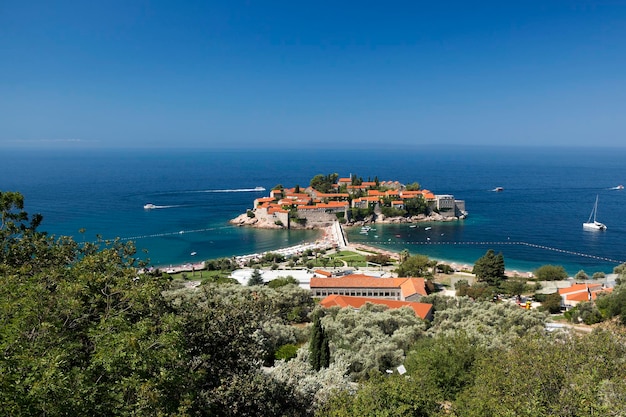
[537, 219]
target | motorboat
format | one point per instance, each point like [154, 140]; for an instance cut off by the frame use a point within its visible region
[619, 187]
[592, 223]
[498, 189]
[149, 206]
[259, 188]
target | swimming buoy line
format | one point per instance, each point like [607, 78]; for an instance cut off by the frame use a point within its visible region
[374, 243]
[532, 245]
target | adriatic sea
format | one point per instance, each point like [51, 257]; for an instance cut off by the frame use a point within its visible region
[537, 219]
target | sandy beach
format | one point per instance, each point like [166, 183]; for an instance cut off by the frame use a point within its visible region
[333, 237]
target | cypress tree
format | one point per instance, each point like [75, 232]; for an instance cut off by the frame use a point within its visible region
[319, 346]
[324, 351]
[315, 343]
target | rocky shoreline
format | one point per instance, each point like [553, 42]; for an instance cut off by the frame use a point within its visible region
[264, 223]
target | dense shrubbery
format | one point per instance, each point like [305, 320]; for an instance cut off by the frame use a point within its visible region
[379, 259]
[537, 374]
[373, 338]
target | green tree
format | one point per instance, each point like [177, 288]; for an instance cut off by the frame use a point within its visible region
[490, 268]
[414, 186]
[319, 346]
[514, 286]
[598, 275]
[552, 303]
[256, 278]
[416, 206]
[282, 281]
[415, 266]
[614, 304]
[461, 287]
[444, 363]
[584, 312]
[394, 396]
[550, 273]
[323, 183]
[620, 270]
[581, 276]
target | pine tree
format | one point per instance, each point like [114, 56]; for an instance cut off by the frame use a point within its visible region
[256, 278]
[490, 268]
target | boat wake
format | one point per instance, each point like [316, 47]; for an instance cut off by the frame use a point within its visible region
[235, 190]
[232, 190]
[154, 206]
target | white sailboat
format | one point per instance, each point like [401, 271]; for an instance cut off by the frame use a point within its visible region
[592, 223]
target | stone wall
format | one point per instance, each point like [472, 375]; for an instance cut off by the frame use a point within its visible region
[317, 217]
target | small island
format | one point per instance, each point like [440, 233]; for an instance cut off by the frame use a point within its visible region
[351, 201]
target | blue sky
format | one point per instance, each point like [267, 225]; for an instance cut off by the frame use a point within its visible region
[232, 74]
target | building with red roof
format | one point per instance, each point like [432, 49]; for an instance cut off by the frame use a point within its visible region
[422, 310]
[359, 285]
[577, 293]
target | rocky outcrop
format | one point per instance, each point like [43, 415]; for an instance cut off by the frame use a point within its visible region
[260, 222]
[381, 218]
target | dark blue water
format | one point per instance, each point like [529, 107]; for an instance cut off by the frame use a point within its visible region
[548, 194]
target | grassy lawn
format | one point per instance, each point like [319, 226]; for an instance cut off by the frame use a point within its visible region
[347, 255]
[197, 275]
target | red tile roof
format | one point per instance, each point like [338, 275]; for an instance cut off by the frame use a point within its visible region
[580, 288]
[408, 286]
[422, 310]
[265, 199]
[583, 292]
[273, 210]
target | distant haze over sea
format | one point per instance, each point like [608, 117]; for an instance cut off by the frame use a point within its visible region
[537, 219]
